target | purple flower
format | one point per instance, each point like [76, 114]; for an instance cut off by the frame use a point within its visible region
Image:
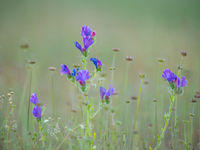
[37, 111]
[168, 75]
[34, 99]
[87, 42]
[88, 39]
[106, 94]
[82, 76]
[65, 70]
[86, 31]
[181, 82]
[97, 63]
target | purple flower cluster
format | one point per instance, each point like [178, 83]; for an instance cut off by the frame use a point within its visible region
[106, 94]
[37, 110]
[87, 38]
[173, 80]
[97, 63]
[81, 76]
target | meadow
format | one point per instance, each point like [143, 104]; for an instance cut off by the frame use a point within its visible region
[78, 78]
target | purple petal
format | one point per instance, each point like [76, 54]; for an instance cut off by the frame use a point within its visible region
[64, 70]
[110, 91]
[37, 111]
[78, 46]
[34, 99]
[86, 31]
[87, 42]
[102, 92]
[183, 81]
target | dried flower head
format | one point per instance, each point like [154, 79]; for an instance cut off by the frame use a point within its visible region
[197, 96]
[142, 75]
[32, 62]
[115, 49]
[194, 100]
[134, 97]
[155, 100]
[52, 68]
[161, 60]
[76, 65]
[183, 53]
[129, 58]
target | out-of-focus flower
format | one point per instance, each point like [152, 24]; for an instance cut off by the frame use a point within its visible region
[34, 99]
[37, 111]
[97, 63]
[106, 94]
[169, 76]
[181, 82]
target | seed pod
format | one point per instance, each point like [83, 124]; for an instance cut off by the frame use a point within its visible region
[161, 60]
[155, 100]
[142, 75]
[32, 62]
[129, 58]
[197, 96]
[76, 65]
[194, 100]
[115, 49]
[183, 53]
[52, 68]
[134, 98]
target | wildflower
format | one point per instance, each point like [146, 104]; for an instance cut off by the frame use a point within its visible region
[175, 83]
[34, 99]
[88, 39]
[37, 111]
[106, 94]
[168, 75]
[65, 70]
[82, 76]
[87, 32]
[181, 82]
[97, 63]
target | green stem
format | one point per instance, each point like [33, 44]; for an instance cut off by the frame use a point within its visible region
[136, 114]
[84, 62]
[138, 105]
[167, 118]
[42, 137]
[52, 95]
[28, 112]
[113, 65]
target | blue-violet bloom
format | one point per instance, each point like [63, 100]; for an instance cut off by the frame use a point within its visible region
[82, 76]
[34, 99]
[65, 70]
[37, 111]
[106, 94]
[97, 63]
[169, 76]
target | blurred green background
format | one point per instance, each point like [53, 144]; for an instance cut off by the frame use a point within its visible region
[146, 30]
